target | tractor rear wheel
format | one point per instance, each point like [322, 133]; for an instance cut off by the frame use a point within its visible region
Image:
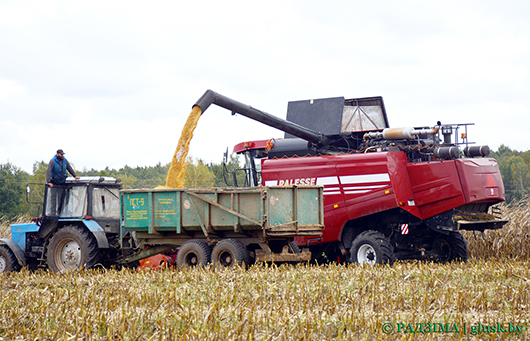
[373, 248]
[8, 261]
[194, 253]
[230, 252]
[72, 248]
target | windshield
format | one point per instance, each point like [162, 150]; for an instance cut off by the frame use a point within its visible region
[250, 174]
[253, 168]
[66, 202]
[106, 202]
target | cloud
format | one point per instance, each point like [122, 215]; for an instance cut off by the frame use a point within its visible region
[112, 83]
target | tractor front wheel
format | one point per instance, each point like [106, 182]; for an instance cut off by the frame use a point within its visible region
[8, 261]
[72, 248]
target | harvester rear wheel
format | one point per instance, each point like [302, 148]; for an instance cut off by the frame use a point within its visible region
[194, 253]
[8, 261]
[459, 249]
[371, 247]
[452, 247]
[72, 248]
[230, 252]
[443, 250]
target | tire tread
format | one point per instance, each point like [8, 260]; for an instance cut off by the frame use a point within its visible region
[387, 253]
[12, 261]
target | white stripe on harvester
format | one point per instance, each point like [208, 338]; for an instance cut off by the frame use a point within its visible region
[366, 178]
[327, 180]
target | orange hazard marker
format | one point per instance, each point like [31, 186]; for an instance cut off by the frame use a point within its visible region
[155, 262]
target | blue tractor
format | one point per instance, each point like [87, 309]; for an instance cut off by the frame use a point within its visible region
[79, 227]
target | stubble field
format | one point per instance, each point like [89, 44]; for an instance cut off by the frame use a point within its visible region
[486, 298]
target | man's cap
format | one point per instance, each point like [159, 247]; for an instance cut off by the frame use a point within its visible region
[60, 151]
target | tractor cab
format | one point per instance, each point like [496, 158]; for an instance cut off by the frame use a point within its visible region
[91, 198]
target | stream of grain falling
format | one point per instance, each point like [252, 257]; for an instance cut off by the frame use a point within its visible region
[175, 175]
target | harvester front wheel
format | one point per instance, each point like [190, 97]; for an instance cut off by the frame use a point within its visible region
[8, 261]
[72, 248]
[230, 252]
[371, 247]
[194, 253]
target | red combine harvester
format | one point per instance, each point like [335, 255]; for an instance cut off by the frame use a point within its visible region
[389, 193]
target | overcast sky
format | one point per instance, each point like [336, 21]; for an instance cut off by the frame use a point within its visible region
[112, 82]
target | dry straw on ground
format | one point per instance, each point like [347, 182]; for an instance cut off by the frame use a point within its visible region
[266, 303]
[283, 303]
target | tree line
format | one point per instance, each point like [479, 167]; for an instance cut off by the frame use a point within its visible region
[13, 180]
[514, 166]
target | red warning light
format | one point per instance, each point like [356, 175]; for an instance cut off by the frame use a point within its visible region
[490, 182]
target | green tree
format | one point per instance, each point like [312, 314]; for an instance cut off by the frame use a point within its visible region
[139, 177]
[37, 185]
[224, 171]
[198, 175]
[12, 191]
[519, 177]
[514, 167]
[39, 172]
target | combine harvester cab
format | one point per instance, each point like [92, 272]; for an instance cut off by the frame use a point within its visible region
[389, 193]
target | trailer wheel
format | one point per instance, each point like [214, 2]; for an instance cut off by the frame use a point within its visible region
[194, 253]
[229, 252]
[371, 247]
[294, 247]
[72, 248]
[459, 249]
[8, 260]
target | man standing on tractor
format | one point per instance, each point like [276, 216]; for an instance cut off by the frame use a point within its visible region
[56, 175]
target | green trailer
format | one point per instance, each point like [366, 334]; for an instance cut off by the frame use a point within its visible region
[221, 225]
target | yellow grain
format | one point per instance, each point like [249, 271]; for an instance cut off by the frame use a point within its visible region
[178, 163]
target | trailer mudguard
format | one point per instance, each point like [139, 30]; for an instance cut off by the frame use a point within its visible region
[16, 250]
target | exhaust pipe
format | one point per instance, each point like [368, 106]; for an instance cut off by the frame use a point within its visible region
[400, 133]
[211, 97]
